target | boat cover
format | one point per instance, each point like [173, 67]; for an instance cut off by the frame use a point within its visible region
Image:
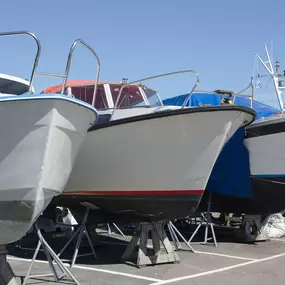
[231, 172]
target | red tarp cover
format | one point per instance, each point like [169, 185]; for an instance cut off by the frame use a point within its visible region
[70, 83]
[83, 90]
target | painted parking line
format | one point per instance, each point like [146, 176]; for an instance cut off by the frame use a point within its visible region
[118, 273]
[93, 269]
[226, 255]
[218, 270]
[201, 252]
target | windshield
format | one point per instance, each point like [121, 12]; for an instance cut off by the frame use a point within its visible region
[131, 96]
[152, 97]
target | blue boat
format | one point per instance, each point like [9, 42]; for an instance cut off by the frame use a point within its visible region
[230, 182]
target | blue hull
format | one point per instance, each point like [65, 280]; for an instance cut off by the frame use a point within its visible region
[232, 187]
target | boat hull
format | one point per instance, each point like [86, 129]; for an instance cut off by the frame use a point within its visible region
[267, 197]
[265, 143]
[143, 167]
[40, 139]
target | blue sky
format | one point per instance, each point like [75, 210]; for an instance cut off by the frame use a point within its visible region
[136, 39]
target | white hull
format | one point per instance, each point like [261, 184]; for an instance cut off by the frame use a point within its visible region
[168, 155]
[40, 139]
[266, 152]
[265, 144]
[267, 156]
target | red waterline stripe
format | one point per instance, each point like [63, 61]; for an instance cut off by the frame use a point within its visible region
[135, 193]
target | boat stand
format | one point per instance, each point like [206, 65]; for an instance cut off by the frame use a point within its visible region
[173, 230]
[118, 229]
[51, 257]
[158, 255]
[7, 276]
[82, 230]
[207, 220]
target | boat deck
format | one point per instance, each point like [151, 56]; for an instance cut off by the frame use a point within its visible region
[229, 263]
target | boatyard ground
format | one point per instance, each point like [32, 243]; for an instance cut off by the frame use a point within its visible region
[229, 263]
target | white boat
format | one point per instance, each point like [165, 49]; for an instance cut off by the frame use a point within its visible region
[265, 142]
[40, 138]
[141, 166]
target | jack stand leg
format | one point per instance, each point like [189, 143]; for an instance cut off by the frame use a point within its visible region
[213, 233]
[90, 242]
[50, 254]
[174, 238]
[118, 229]
[7, 276]
[206, 218]
[195, 232]
[181, 236]
[209, 222]
[79, 233]
[159, 255]
[109, 230]
[206, 229]
[128, 254]
[69, 242]
[78, 242]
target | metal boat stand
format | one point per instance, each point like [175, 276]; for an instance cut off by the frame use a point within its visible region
[7, 276]
[51, 257]
[158, 255]
[207, 220]
[82, 230]
[173, 232]
[117, 228]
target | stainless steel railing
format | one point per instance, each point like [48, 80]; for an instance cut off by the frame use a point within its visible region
[67, 68]
[37, 57]
[68, 63]
[251, 96]
[157, 76]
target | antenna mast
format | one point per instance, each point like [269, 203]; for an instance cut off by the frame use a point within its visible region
[275, 75]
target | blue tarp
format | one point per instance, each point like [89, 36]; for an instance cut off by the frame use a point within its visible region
[230, 175]
[196, 99]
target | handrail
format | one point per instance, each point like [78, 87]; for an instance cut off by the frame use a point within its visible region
[69, 62]
[37, 57]
[245, 89]
[193, 88]
[157, 76]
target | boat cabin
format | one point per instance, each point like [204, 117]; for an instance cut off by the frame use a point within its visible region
[13, 85]
[134, 95]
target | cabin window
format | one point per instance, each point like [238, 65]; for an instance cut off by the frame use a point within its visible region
[85, 93]
[152, 97]
[130, 96]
